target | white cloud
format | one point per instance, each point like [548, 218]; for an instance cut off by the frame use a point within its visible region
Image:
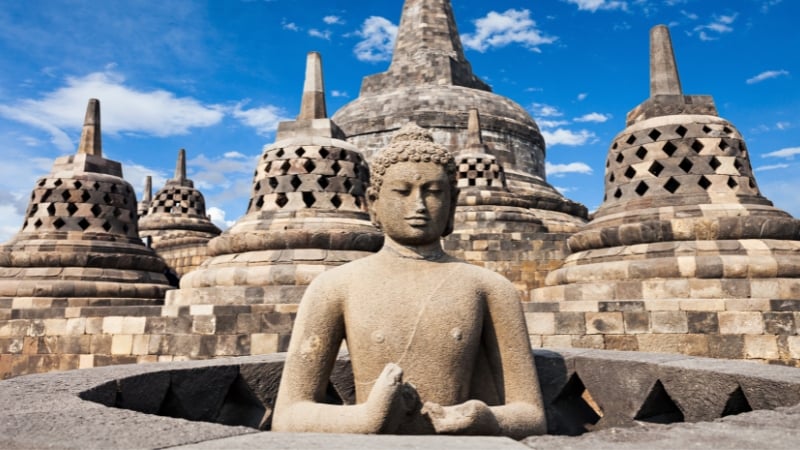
[233, 155]
[769, 4]
[582, 96]
[543, 110]
[719, 25]
[378, 36]
[783, 126]
[333, 20]
[264, 119]
[562, 169]
[135, 174]
[291, 26]
[322, 34]
[771, 167]
[593, 117]
[766, 75]
[335, 93]
[788, 153]
[543, 123]
[595, 5]
[501, 29]
[562, 136]
[689, 15]
[563, 190]
[124, 109]
[218, 217]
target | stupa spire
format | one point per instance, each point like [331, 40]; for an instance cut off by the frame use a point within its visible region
[91, 141]
[474, 138]
[180, 166]
[147, 195]
[313, 103]
[664, 79]
[427, 26]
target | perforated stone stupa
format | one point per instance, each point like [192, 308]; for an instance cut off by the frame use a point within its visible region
[430, 82]
[307, 213]
[685, 254]
[177, 224]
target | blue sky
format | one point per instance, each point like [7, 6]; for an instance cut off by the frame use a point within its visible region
[215, 78]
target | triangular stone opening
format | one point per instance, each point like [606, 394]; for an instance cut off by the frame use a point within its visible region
[241, 406]
[573, 411]
[737, 403]
[659, 407]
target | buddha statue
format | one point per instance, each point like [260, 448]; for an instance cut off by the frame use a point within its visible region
[437, 345]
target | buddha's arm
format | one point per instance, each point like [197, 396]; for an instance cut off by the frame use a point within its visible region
[317, 335]
[511, 360]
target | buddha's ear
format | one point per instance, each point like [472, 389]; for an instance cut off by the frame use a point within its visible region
[451, 218]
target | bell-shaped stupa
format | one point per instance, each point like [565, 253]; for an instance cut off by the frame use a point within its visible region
[176, 222]
[684, 254]
[79, 244]
[307, 213]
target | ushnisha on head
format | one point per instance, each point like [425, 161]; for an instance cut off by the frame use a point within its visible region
[412, 144]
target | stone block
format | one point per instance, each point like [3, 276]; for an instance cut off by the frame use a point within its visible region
[604, 323]
[636, 322]
[667, 322]
[569, 323]
[595, 341]
[687, 344]
[76, 326]
[121, 344]
[726, 346]
[112, 325]
[204, 324]
[780, 323]
[557, 341]
[85, 361]
[141, 344]
[263, 343]
[741, 322]
[761, 347]
[621, 342]
[702, 322]
[794, 347]
[94, 325]
[707, 304]
[540, 323]
[747, 304]
[579, 306]
[623, 306]
[133, 325]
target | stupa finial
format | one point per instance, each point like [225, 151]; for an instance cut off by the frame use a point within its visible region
[91, 140]
[474, 138]
[664, 79]
[147, 195]
[180, 167]
[313, 103]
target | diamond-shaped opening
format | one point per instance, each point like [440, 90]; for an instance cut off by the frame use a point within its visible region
[752, 183]
[336, 201]
[620, 158]
[672, 185]
[618, 193]
[58, 182]
[323, 182]
[681, 130]
[72, 209]
[285, 166]
[669, 148]
[46, 194]
[347, 184]
[42, 182]
[574, 412]
[704, 182]
[335, 167]
[737, 403]
[257, 186]
[260, 201]
[642, 188]
[714, 163]
[96, 185]
[106, 198]
[358, 202]
[273, 182]
[124, 200]
[608, 164]
[125, 228]
[659, 407]
[296, 182]
[281, 200]
[34, 208]
[343, 155]
[471, 182]
[96, 210]
[309, 166]
[323, 153]
[65, 195]
[656, 168]
[114, 189]
[38, 223]
[85, 196]
[118, 212]
[614, 147]
[611, 178]
[280, 153]
[686, 165]
[697, 146]
[51, 209]
[84, 224]
[300, 151]
[737, 165]
[106, 226]
[58, 223]
[732, 183]
[78, 184]
[655, 134]
[267, 168]
[641, 152]
[308, 199]
[723, 144]
[471, 167]
[630, 172]
[706, 129]
[631, 139]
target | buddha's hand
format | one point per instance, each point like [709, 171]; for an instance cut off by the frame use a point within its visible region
[470, 417]
[391, 400]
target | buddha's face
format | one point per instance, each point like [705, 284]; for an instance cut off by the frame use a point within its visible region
[414, 204]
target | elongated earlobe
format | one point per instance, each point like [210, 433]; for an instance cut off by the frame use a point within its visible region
[451, 220]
